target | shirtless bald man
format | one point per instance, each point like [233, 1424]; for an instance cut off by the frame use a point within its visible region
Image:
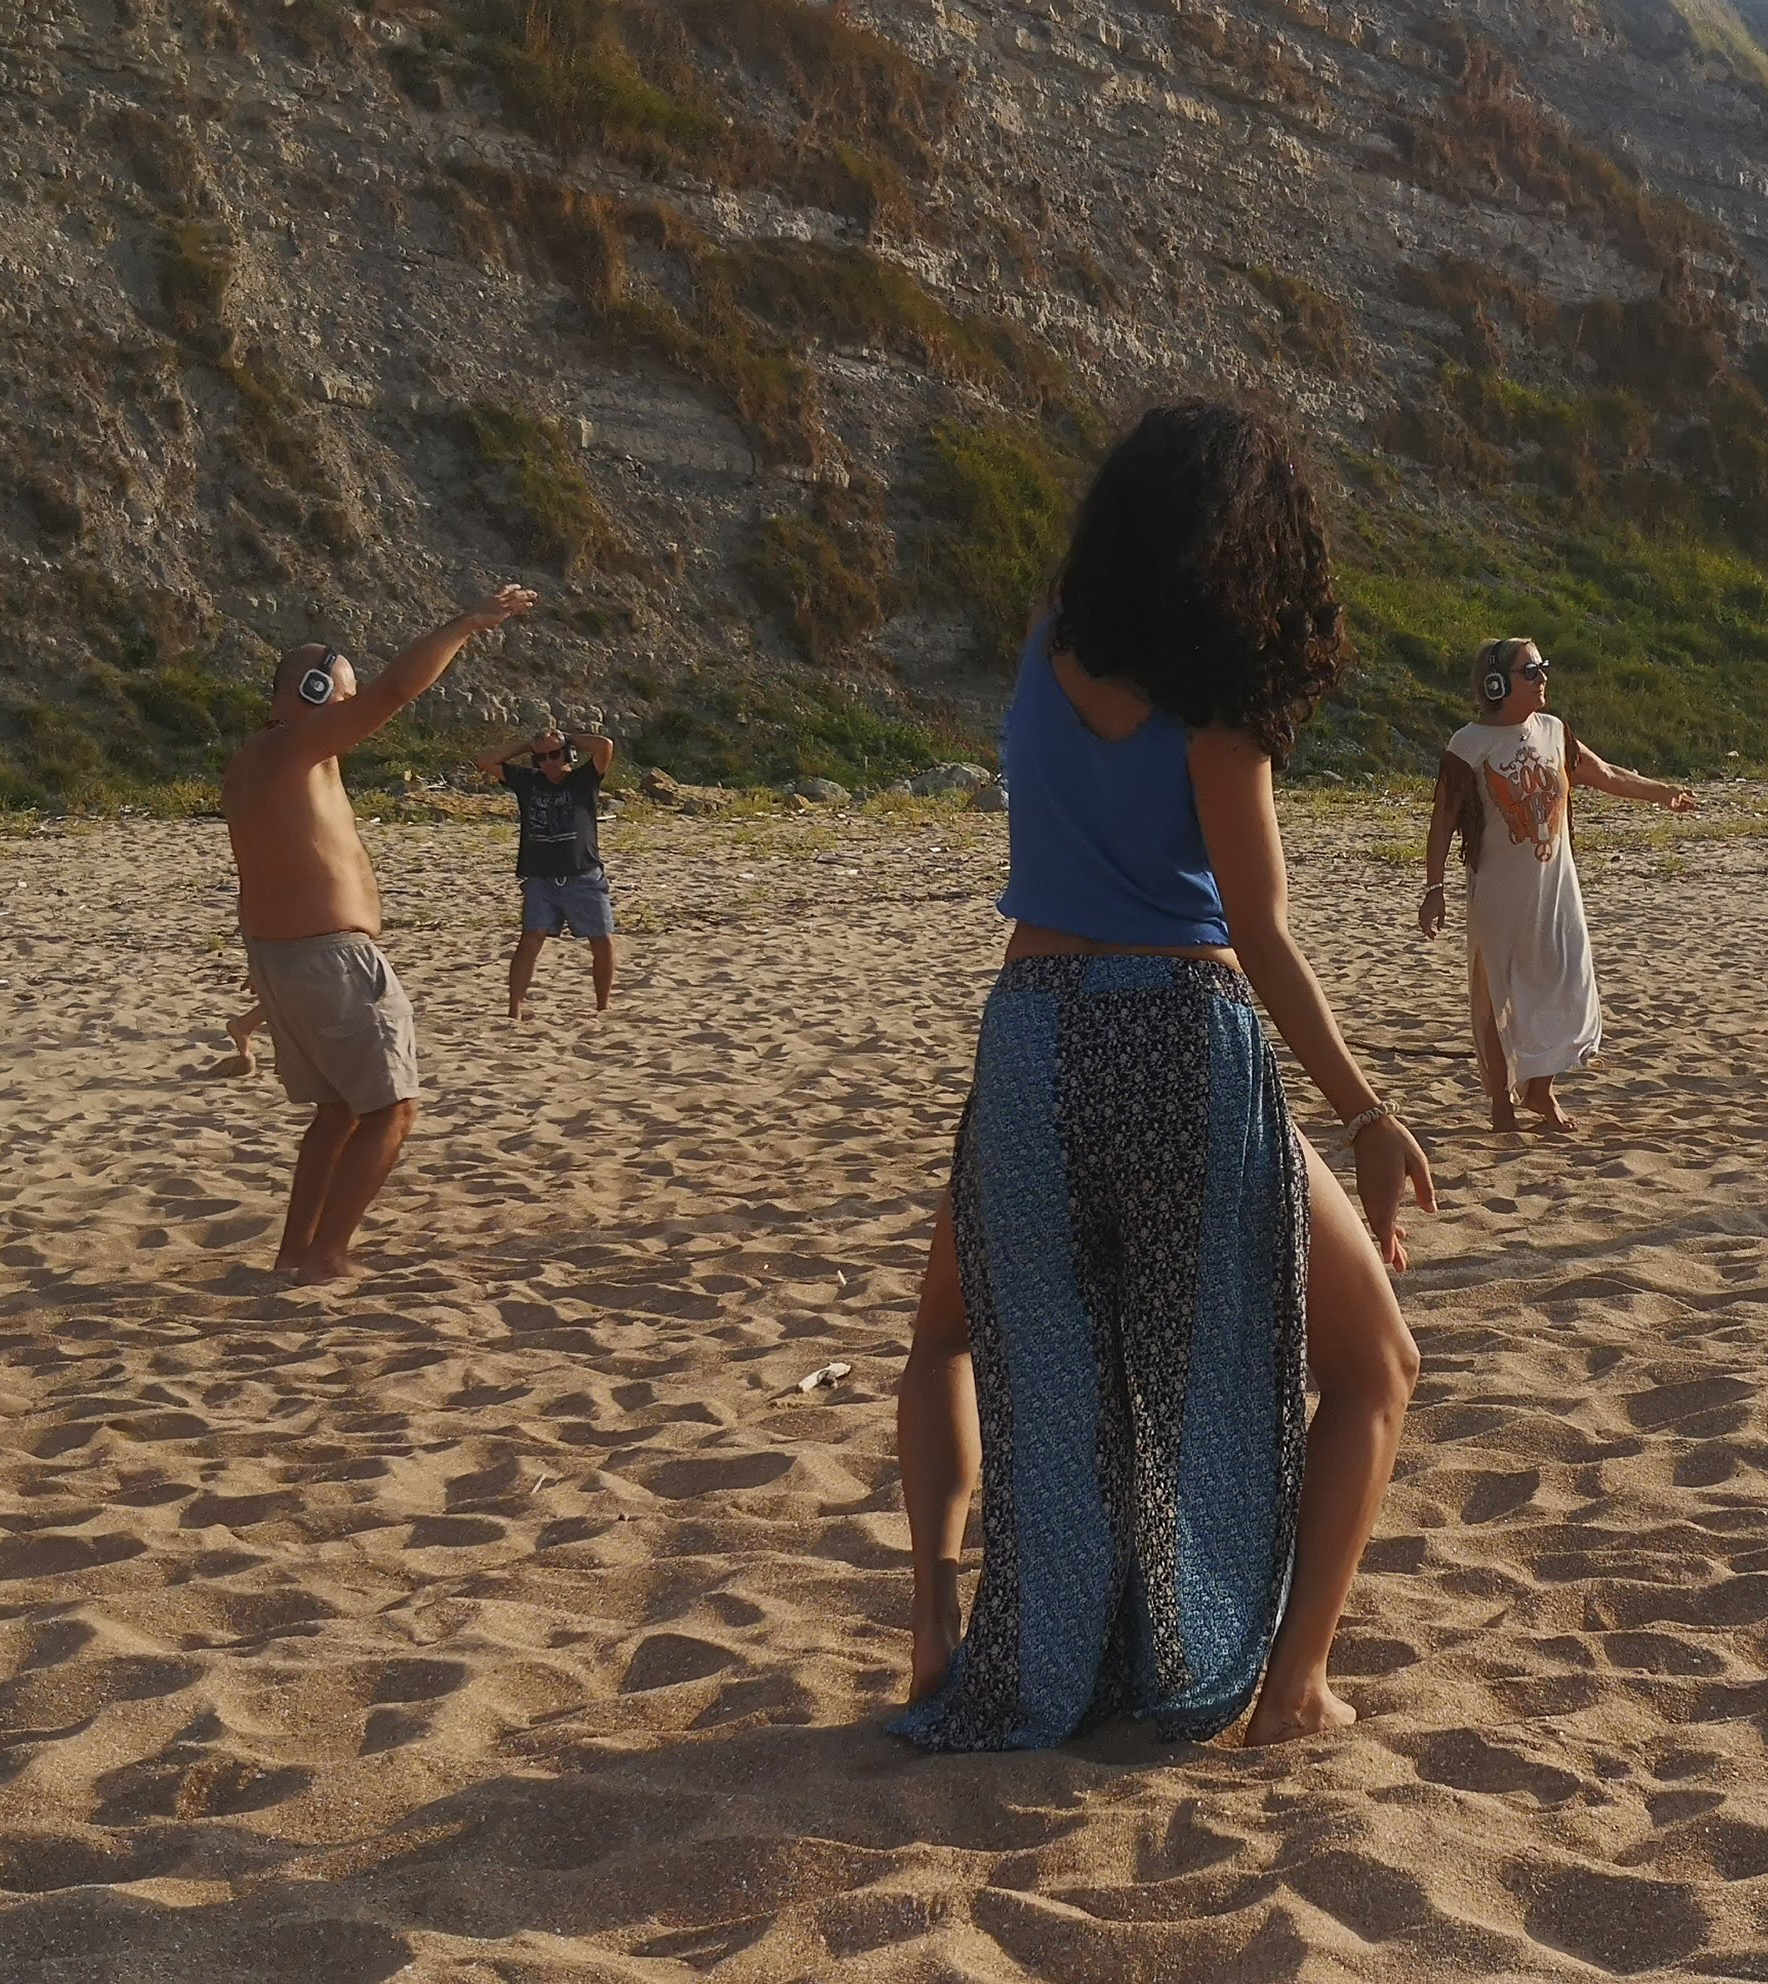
[309, 911]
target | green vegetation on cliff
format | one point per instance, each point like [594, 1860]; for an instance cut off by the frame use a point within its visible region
[893, 357]
[1659, 640]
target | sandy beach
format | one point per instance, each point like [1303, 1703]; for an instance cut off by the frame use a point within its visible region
[511, 1616]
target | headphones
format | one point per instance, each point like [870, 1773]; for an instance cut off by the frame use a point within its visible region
[1495, 683]
[316, 686]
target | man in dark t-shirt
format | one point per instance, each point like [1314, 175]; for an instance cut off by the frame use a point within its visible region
[559, 863]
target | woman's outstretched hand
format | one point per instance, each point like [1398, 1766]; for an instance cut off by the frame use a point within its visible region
[1387, 1155]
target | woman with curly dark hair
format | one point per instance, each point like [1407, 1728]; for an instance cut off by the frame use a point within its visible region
[1121, 1292]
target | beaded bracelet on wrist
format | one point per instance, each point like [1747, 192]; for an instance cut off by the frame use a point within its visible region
[1376, 1113]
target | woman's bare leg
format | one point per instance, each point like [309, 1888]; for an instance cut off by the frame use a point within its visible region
[939, 1446]
[1365, 1364]
[1494, 1064]
[1503, 1108]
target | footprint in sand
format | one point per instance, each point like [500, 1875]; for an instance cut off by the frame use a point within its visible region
[1620, 1923]
[1466, 1761]
[668, 1660]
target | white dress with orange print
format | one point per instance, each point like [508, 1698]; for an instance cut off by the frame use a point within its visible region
[1528, 945]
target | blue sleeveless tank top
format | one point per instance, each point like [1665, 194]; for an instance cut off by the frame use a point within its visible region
[1104, 837]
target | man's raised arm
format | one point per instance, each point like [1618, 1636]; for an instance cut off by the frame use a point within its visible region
[339, 726]
[599, 750]
[493, 762]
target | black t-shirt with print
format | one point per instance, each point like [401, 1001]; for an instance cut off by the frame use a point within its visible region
[558, 822]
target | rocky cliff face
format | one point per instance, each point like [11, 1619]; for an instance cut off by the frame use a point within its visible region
[768, 339]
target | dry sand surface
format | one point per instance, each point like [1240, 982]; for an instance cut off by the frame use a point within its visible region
[511, 1615]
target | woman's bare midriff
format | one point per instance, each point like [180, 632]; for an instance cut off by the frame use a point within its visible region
[1032, 940]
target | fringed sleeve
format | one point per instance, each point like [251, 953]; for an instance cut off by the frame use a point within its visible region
[1455, 776]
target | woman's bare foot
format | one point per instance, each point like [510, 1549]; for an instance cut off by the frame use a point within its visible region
[1539, 1097]
[288, 1265]
[1503, 1113]
[937, 1626]
[1315, 1713]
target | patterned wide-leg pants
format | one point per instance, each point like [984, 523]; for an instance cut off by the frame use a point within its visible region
[1130, 1203]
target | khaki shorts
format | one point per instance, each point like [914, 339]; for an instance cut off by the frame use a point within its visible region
[340, 1019]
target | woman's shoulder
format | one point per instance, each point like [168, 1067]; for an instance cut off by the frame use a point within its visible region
[1034, 650]
[1471, 742]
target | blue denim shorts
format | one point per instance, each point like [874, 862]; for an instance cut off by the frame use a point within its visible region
[578, 903]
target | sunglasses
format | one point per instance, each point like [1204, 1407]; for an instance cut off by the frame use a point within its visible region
[1534, 671]
[546, 757]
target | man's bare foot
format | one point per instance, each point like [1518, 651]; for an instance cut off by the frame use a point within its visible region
[1539, 1098]
[288, 1265]
[1503, 1115]
[516, 1010]
[318, 1268]
[1316, 1713]
[936, 1629]
[241, 1036]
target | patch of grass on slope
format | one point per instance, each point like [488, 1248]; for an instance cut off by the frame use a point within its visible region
[738, 733]
[663, 85]
[149, 722]
[999, 498]
[534, 485]
[1659, 640]
[742, 320]
[1717, 29]
[158, 741]
[829, 572]
[1490, 132]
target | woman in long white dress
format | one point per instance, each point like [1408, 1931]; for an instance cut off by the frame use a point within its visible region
[1505, 786]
